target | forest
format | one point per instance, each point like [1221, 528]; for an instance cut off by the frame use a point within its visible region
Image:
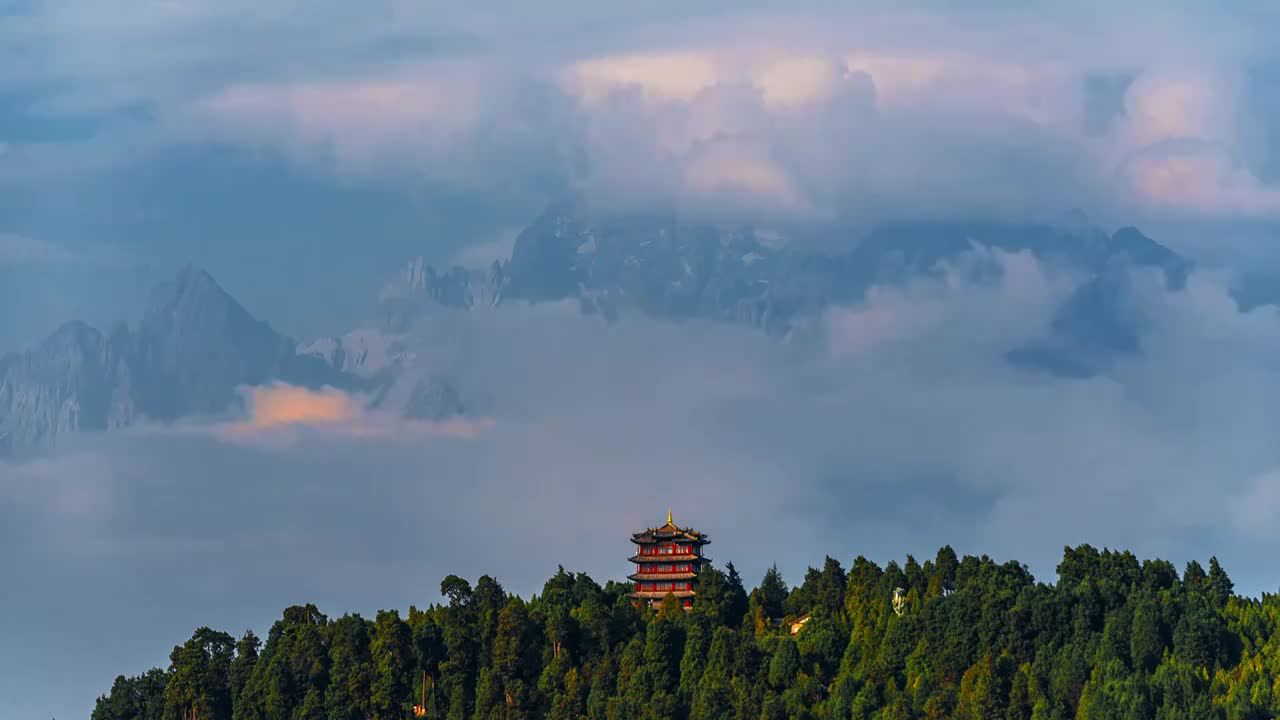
[1113, 638]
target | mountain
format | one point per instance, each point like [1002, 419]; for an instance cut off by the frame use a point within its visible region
[193, 348]
[76, 379]
[403, 298]
[195, 345]
[364, 352]
[660, 266]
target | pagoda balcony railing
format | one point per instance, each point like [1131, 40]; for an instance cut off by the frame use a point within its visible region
[651, 570]
[650, 559]
[679, 550]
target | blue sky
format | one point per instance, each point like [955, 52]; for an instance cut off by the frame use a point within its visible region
[303, 152]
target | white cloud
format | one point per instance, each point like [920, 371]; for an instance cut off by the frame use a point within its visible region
[1200, 178]
[23, 250]
[480, 256]
[908, 392]
[661, 76]
[1180, 104]
[973, 109]
[904, 431]
[357, 125]
[780, 127]
[793, 82]
[941, 311]
[736, 167]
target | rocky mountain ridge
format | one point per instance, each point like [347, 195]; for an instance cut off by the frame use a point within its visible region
[664, 268]
[195, 345]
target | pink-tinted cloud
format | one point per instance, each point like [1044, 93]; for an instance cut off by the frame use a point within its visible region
[662, 76]
[1200, 179]
[854, 112]
[275, 405]
[275, 411]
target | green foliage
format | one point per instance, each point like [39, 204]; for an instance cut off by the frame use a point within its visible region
[771, 594]
[135, 698]
[785, 665]
[242, 665]
[392, 651]
[1113, 639]
[199, 679]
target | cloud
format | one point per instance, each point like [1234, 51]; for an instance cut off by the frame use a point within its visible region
[835, 113]
[357, 123]
[1201, 178]
[784, 119]
[1019, 306]
[480, 256]
[662, 76]
[900, 431]
[793, 82]
[277, 412]
[23, 250]
[729, 167]
[279, 404]
[904, 429]
[897, 429]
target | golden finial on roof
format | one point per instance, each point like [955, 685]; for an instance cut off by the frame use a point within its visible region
[669, 516]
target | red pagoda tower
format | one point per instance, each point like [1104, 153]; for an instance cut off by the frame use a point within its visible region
[669, 559]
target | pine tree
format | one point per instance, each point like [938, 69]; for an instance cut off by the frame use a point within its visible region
[391, 649]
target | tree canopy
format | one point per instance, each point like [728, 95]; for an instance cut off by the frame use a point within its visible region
[1113, 638]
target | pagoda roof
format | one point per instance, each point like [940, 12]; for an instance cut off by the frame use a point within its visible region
[642, 559]
[659, 577]
[669, 531]
[660, 594]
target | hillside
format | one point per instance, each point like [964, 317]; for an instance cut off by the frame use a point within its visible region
[1113, 638]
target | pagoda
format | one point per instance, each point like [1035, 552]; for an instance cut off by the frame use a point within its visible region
[669, 559]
